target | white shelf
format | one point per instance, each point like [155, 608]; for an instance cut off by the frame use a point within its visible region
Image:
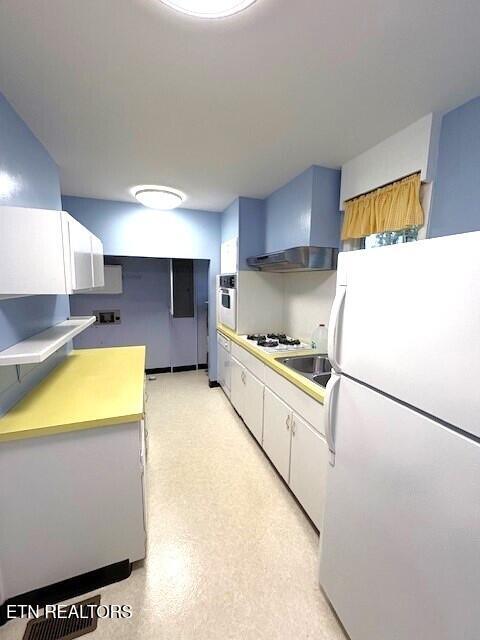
[41, 346]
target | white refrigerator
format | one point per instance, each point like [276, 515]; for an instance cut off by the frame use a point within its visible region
[400, 544]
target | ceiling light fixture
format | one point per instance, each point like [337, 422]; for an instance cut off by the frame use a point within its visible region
[155, 197]
[209, 8]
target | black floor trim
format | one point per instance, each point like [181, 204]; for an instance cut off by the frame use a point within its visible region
[213, 384]
[189, 367]
[203, 366]
[70, 588]
[150, 372]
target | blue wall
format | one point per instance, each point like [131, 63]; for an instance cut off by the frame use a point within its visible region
[28, 178]
[456, 195]
[304, 211]
[145, 313]
[326, 217]
[144, 307]
[128, 229]
[230, 221]
[245, 219]
[287, 214]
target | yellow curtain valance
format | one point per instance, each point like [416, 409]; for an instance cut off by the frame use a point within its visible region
[390, 208]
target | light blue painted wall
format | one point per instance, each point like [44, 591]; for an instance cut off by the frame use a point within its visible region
[456, 195]
[28, 167]
[251, 229]
[128, 229]
[287, 214]
[326, 218]
[245, 219]
[144, 306]
[230, 221]
[304, 211]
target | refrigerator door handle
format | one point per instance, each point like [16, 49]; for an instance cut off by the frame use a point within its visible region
[330, 401]
[333, 329]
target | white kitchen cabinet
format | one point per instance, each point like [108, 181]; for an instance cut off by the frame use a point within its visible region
[80, 241]
[31, 250]
[277, 419]
[97, 262]
[286, 422]
[220, 365]
[237, 394]
[229, 256]
[88, 491]
[247, 398]
[46, 252]
[308, 468]
[253, 405]
[84, 268]
[223, 363]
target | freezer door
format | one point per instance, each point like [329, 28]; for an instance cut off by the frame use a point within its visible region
[400, 546]
[408, 323]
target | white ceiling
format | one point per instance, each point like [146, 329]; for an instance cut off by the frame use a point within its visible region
[126, 92]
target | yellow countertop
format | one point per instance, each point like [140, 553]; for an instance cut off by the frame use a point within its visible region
[271, 360]
[90, 388]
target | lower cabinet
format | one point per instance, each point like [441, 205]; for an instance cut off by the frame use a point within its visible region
[220, 365]
[223, 363]
[309, 459]
[253, 405]
[298, 450]
[246, 395]
[88, 488]
[276, 432]
[237, 390]
[299, 453]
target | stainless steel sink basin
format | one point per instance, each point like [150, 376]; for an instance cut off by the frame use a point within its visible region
[322, 379]
[316, 368]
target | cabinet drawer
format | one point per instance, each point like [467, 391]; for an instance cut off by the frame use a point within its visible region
[249, 361]
[306, 407]
[223, 342]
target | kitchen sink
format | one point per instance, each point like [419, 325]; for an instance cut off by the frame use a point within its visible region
[322, 379]
[316, 368]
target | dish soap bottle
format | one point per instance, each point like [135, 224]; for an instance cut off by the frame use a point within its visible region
[320, 339]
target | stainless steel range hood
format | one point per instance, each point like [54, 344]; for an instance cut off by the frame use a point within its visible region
[297, 259]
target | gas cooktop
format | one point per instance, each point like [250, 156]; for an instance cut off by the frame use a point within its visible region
[276, 342]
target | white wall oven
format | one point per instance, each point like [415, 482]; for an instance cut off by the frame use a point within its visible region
[227, 301]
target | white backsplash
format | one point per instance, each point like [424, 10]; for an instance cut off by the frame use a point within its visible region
[292, 302]
[308, 299]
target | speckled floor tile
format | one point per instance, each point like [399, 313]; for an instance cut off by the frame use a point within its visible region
[231, 555]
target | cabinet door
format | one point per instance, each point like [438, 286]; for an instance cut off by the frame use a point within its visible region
[229, 256]
[308, 468]
[237, 391]
[227, 369]
[220, 364]
[97, 262]
[81, 255]
[277, 418]
[253, 406]
[31, 250]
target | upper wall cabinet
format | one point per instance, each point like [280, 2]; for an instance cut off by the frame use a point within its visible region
[84, 256]
[31, 252]
[243, 233]
[304, 212]
[45, 252]
[229, 256]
